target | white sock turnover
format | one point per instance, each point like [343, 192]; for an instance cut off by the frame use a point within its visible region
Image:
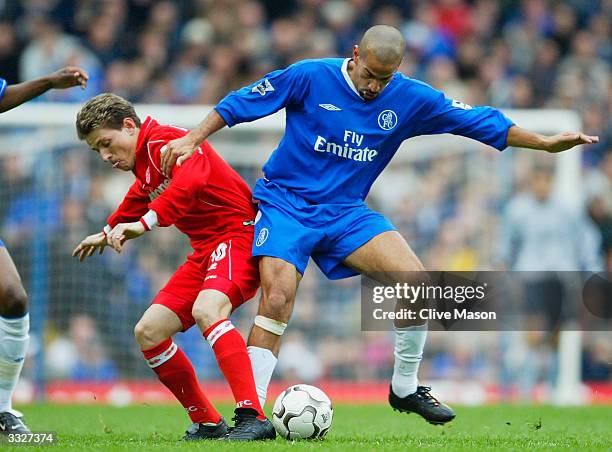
[14, 341]
[409, 344]
[263, 362]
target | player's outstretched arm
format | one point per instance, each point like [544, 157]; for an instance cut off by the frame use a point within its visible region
[123, 232]
[179, 150]
[522, 138]
[89, 245]
[67, 77]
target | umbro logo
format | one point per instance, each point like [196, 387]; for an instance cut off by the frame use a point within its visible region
[263, 88]
[458, 104]
[330, 107]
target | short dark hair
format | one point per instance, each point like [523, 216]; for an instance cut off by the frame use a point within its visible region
[106, 110]
[385, 42]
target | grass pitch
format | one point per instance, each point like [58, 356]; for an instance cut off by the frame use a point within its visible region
[366, 427]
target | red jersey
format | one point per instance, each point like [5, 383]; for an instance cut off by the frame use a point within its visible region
[205, 197]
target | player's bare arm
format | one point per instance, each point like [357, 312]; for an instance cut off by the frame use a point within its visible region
[89, 245]
[522, 138]
[179, 150]
[67, 77]
[123, 232]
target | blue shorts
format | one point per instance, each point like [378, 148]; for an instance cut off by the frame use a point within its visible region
[2, 245]
[293, 229]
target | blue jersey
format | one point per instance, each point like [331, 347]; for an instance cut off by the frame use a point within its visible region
[3, 86]
[336, 143]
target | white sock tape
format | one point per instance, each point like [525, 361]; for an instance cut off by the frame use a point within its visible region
[162, 357]
[15, 327]
[270, 325]
[219, 331]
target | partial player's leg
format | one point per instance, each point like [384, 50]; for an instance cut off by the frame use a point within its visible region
[231, 278]
[211, 311]
[279, 283]
[14, 339]
[387, 258]
[285, 244]
[154, 334]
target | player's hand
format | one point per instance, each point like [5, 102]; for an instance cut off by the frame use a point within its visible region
[89, 245]
[176, 151]
[68, 77]
[123, 232]
[565, 141]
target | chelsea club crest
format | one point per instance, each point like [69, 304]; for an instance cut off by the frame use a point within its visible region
[387, 120]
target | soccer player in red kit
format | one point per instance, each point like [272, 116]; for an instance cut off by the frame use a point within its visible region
[210, 203]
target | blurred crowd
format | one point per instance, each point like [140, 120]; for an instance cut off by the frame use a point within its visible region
[509, 53]
[459, 212]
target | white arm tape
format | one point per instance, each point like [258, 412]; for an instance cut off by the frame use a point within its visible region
[150, 218]
[271, 325]
[107, 229]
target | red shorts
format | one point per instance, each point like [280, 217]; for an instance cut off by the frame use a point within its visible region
[227, 267]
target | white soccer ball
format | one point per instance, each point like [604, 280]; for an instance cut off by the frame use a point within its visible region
[302, 412]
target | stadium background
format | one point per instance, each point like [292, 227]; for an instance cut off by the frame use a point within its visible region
[450, 206]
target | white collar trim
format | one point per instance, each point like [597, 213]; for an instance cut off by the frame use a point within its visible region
[347, 78]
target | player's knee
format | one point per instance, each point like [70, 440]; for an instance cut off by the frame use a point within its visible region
[276, 304]
[146, 335]
[13, 301]
[278, 283]
[206, 316]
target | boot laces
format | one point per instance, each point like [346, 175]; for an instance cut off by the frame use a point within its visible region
[423, 392]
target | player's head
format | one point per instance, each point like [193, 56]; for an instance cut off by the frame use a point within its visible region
[541, 182]
[376, 59]
[109, 125]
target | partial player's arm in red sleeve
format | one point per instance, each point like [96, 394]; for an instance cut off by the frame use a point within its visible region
[187, 183]
[133, 207]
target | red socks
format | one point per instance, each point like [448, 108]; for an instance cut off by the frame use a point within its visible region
[234, 361]
[176, 373]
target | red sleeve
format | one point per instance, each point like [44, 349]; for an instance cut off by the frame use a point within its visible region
[134, 205]
[184, 189]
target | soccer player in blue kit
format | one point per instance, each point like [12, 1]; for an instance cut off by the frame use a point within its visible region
[345, 119]
[14, 317]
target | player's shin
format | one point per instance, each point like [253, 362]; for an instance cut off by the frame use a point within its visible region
[264, 363]
[264, 338]
[176, 372]
[14, 341]
[409, 345]
[231, 353]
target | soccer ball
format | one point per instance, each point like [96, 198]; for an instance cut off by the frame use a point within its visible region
[302, 412]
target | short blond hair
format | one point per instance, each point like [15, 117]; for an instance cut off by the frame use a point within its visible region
[107, 111]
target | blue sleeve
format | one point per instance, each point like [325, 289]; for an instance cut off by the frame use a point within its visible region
[276, 90]
[485, 124]
[3, 86]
